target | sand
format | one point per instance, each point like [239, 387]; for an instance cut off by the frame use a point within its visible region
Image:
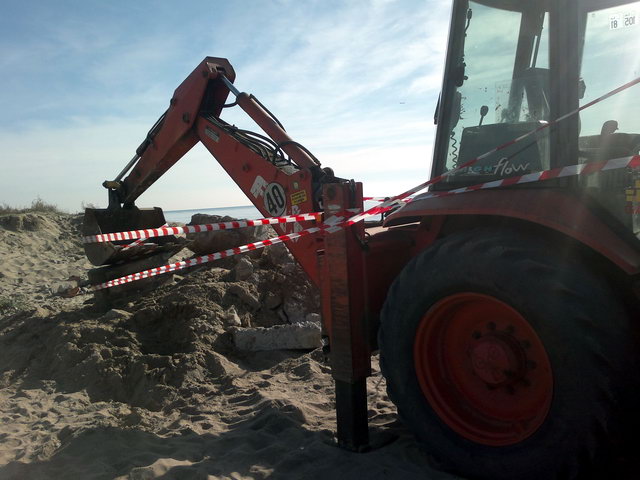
[154, 387]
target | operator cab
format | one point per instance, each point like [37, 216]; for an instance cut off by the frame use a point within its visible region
[514, 66]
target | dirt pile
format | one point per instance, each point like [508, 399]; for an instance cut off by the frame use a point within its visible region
[155, 388]
[152, 349]
[38, 253]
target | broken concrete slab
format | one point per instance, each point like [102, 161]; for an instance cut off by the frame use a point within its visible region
[243, 269]
[301, 336]
[246, 296]
[116, 314]
[231, 318]
[272, 300]
[314, 318]
[278, 254]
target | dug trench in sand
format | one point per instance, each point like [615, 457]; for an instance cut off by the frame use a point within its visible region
[155, 387]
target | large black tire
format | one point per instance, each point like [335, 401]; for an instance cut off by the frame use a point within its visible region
[578, 319]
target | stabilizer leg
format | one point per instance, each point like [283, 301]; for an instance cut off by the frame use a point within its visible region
[344, 305]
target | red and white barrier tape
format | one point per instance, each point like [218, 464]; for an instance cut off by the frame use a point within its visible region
[208, 227]
[135, 243]
[375, 199]
[571, 170]
[335, 223]
[138, 242]
[172, 267]
[388, 204]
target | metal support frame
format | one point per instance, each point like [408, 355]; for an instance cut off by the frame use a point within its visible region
[344, 301]
[351, 415]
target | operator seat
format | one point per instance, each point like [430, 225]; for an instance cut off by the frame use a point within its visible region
[608, 145]
[525, 157]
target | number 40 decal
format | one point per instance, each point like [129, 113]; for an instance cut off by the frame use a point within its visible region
[275, 200]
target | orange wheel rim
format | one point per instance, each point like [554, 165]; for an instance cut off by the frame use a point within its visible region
[483, 369]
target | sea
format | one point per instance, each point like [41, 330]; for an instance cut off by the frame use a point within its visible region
[184, 216]
[248, 212]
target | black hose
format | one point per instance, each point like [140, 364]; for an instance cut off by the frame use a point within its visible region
[257, 143]
[153, 131]
[299, 145]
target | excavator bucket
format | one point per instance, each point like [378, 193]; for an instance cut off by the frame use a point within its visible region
[99, 221]
[120, 258]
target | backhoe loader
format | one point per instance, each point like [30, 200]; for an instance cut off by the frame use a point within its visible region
[504, 300]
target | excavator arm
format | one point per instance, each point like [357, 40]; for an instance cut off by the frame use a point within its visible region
[279, 176]
[173, 134]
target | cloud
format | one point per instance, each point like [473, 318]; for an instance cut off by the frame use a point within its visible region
[356, 82]
[68, 166]
[388, 170]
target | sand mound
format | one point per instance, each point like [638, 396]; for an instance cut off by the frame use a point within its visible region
[30, 222]
[39, 252]
[155, 388]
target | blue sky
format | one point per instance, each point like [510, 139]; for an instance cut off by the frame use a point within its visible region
[82, 81]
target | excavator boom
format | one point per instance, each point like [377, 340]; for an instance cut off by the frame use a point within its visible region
[526, 247]
[279, 175]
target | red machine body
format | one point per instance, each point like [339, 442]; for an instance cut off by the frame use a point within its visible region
[274, 191]
[355, 267]
[387, 251]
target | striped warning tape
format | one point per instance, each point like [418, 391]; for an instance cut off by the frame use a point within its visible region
[172, 267]
[138, 242]
[569, 171]
[375, 199]
[135, 243]
[385, 205]
[397, 200]
[331, 224]
[208, 227]
[338, 222]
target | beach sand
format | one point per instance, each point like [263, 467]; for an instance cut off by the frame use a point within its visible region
[154, 387]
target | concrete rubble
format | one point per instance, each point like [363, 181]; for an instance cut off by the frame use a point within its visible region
[297, 336]
[269, 303]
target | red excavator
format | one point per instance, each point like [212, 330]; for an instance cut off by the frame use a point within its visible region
[504, 301]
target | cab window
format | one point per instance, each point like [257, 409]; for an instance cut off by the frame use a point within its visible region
[502, 94]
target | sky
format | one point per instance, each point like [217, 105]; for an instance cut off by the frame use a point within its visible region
[354, 81]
